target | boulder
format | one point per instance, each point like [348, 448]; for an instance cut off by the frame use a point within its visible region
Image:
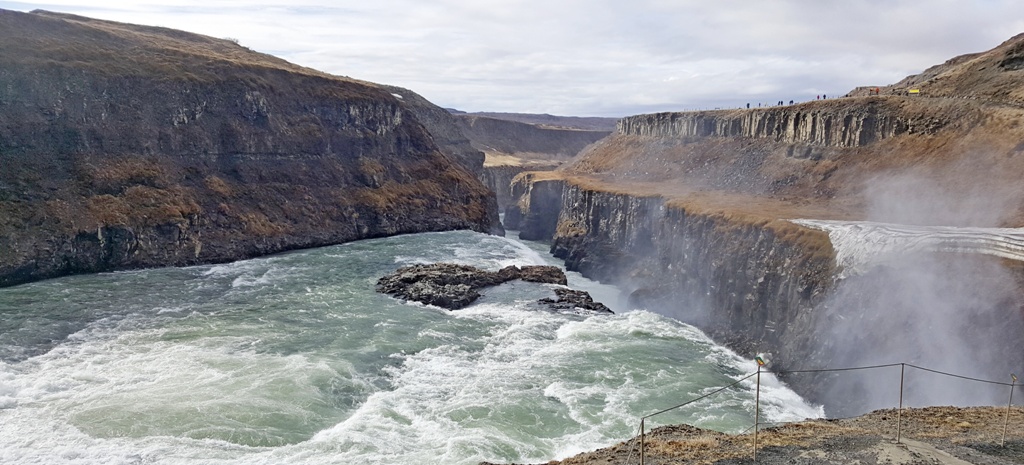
[454, 286]
[573, 300]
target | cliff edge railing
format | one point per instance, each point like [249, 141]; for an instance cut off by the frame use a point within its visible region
[640, 439]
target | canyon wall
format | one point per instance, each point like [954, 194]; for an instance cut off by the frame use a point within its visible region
[126, 146]
[689, 213]
[839, 124]
[515, 146]
[750, 283]
[535, 213]
[443, 128]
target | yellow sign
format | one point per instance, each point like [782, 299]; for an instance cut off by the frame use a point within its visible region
[914, 91]
[760, 361]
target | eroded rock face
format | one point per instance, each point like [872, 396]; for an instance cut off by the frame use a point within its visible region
[751, 285]
[454, 286]
[535, 210]
[127, 146]
[850, 126]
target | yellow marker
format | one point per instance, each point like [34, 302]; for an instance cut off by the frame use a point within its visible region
[760, 361]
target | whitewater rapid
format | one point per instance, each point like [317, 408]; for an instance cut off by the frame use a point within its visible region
[860, 245]
[294, 359]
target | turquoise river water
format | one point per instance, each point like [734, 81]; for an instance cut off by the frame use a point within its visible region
[294, 359]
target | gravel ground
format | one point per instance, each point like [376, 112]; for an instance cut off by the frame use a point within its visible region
[934, 435]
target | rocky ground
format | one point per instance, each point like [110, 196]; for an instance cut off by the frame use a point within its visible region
[933, 435]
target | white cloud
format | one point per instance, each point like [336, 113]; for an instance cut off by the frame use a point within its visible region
[599, 57]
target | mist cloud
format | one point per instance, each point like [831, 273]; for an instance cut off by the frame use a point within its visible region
[954, 312]
[908, 198]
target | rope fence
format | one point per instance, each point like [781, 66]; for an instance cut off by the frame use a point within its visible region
[757, 403]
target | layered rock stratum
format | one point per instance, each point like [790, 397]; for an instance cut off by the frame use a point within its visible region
[127, 146]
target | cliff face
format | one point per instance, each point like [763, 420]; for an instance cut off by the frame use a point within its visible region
[689, 212]
[127, 146]
[443, 127]
[747, 282]
[535, 213]
[850, 125]
[764, 285]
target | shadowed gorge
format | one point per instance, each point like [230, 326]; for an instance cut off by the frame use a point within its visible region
[514, 143]
[129, 146]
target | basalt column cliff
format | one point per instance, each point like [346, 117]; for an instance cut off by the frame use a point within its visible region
[693, 212]
[125, 146]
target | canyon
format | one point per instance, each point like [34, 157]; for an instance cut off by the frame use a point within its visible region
[515, 143]
[877, 228]
[697, 215]
[130, 146]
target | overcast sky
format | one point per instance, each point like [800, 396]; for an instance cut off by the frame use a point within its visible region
[593, 57]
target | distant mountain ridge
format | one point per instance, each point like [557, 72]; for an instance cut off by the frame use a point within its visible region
[590, 123]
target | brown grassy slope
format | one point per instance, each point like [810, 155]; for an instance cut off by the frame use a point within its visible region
[973, 146]
[112, 48]
[988, 76]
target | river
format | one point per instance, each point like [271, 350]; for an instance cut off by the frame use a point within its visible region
[294, 359]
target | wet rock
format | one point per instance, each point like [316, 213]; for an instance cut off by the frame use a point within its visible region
[453, 286]
[569, 299]
[541, 274]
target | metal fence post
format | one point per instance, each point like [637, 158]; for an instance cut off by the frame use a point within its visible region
[899, 413]
[1006, 421]
[757, 407]
[642, 432]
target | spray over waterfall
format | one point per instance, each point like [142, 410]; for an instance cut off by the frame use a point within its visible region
[928, 295]
[862, 244]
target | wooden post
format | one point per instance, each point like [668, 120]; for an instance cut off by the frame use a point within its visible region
[899, 413]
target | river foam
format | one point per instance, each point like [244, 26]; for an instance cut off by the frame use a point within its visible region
[295, 359]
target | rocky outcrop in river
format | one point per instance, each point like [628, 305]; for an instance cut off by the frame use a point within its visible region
[454, 286]
[126, 146]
